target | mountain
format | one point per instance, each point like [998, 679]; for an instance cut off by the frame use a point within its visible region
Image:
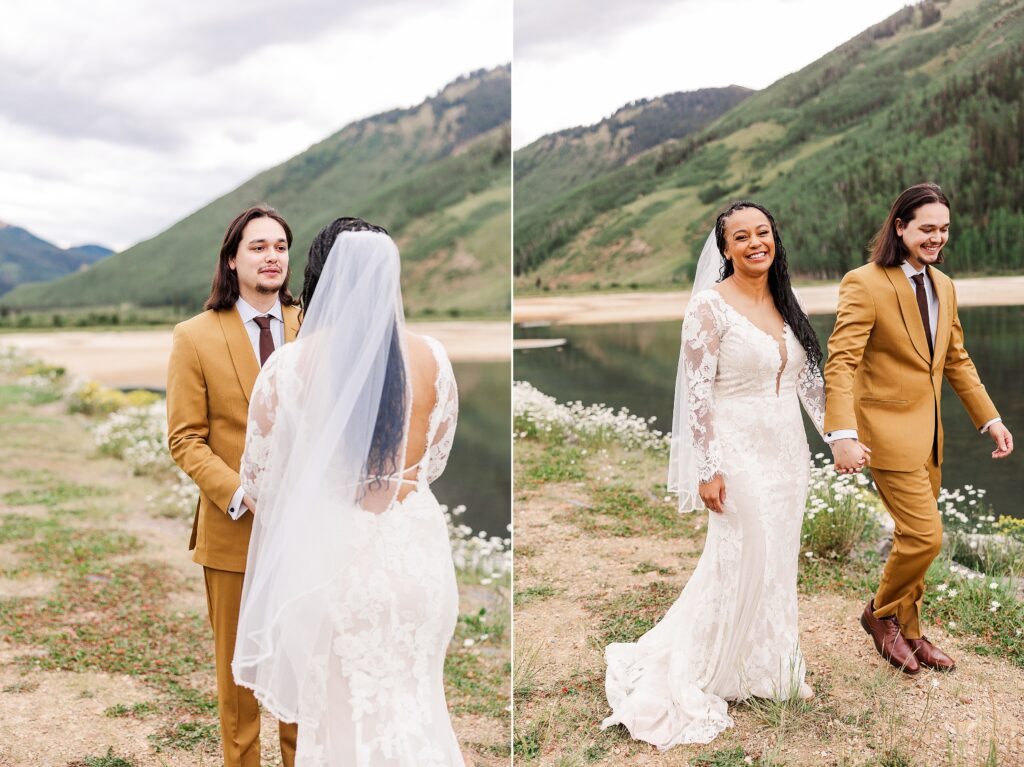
[561, 161]
[934, 92]
[436, 175]
[27, 258]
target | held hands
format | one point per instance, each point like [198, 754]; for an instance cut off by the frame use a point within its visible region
[713, 494]
[1003, 439]
[850, 455]
[250, 503]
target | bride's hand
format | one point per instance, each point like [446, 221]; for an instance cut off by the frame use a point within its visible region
[713, 494]
[850, 455]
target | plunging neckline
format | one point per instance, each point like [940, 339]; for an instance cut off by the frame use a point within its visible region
[780, 343]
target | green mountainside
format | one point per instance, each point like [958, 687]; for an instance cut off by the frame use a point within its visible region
[436, 175]
[934, 92]
[561, 161]
[27, 258]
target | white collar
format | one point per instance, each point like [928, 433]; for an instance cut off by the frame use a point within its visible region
[247, 312]
[907, 270]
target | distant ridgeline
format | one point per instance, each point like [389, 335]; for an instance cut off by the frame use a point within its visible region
[935, 92]
[437, 176]
[27, 258]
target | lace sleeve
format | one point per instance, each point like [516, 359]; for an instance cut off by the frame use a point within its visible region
[701, 341]
[447, 412]
[262, 414]
[810, 387]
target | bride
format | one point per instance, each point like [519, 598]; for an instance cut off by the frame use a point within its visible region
[748, 357]
[350, 596]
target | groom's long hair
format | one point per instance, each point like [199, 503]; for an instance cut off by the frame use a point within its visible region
[778, 281]
[224, 290]
[389, 429]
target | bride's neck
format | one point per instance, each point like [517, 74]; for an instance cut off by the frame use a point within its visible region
[755, 289]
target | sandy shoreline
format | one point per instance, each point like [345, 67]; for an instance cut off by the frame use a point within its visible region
[139, 357]
[609, 308]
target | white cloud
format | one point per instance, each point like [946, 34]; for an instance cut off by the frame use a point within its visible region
[119, 121]
[577, 73]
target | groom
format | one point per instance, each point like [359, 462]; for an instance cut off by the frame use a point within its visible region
[215, 358]
[897, 334]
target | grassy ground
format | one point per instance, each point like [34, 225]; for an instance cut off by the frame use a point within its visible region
[600, 554]
[105, 649]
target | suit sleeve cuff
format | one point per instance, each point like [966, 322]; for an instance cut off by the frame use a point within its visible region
[236, 508]
[984, 428]
[832, 436]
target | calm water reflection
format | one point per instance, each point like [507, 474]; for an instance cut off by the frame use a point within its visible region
[634, 366]
[479, 473]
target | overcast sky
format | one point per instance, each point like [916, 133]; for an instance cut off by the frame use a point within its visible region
[119, 118]
[577, 61]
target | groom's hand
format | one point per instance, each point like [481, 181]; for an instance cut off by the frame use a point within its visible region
[1003, 439]
[850, 455]
[250, 503]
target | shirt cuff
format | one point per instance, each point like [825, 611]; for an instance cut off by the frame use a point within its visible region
[236, 508]
[832, 436]
[984, 428]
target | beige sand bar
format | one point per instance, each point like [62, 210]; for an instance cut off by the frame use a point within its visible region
[139, 357]
[608, 308]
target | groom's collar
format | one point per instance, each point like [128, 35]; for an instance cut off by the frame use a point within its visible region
[247, 312]
[905, 266]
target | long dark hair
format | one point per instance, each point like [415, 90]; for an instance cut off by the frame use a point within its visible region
[887, 248]
[389, 429]
[778, 281]
[224, 290]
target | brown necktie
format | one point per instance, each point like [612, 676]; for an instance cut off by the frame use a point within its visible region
[922, 304]
[266, 340]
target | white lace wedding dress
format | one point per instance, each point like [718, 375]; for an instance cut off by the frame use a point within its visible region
[376, 696]
[732, 633]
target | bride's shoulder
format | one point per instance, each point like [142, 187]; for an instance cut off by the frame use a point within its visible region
[705, 300]
[424, 348]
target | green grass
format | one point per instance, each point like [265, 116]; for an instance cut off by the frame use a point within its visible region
[727, 757]
[626, 616]
[187, 736]
[110, 760]
[54, 494]
[135, 711]
[552, 464]
[649, 567]
[623, 511]
[476, 676]
[534, 594]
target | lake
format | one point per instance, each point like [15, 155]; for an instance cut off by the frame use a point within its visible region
[479, 472]
[634, 366]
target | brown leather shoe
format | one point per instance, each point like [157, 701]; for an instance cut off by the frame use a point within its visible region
[929, 655]
[889, 641]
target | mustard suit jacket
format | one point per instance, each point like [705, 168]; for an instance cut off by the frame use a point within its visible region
[879, 377]
[209, 379]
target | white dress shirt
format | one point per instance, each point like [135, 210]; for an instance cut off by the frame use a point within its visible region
[933, 318]
[236, 508]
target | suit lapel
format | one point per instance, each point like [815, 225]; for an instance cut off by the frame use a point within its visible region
[944, 322]
[247, 367]
[291, 322]
[908, 308]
